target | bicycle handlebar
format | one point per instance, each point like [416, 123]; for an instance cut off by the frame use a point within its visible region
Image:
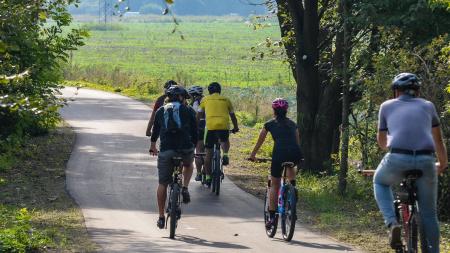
[260, 160]
[367, 173]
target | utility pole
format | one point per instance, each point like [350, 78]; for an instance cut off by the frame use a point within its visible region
[99, 10]
[105, 5]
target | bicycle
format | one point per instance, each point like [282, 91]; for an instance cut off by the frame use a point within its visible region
[217, 174]
[174, 204]
[287, 205]
[407, 212]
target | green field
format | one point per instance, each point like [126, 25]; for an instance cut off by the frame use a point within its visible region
[214, 51]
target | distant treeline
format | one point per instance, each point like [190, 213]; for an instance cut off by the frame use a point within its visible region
[181, 7]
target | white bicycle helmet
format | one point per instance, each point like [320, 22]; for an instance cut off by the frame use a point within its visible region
[195, 90]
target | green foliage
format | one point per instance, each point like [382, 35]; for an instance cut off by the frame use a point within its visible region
[17, 235]
[211, 51]
[32, 46]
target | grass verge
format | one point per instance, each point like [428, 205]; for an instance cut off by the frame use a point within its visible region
[354, 219]
[135, 92]
[36, 212]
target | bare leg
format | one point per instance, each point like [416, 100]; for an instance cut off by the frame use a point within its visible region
[275, 186]
[208, 158]
[187, 174]
[161, 195]
[291, 174]
[199, 160]
[225, 146]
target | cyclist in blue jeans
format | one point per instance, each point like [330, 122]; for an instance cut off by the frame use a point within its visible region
[409, 128]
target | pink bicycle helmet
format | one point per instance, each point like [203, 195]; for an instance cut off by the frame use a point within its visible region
[280, 103]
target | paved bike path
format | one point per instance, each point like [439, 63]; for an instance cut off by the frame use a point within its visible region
[113, 179]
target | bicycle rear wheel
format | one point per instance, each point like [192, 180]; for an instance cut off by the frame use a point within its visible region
[174, 207]
[216, 174]
[412, 242]
[273, 230]
[289, 217]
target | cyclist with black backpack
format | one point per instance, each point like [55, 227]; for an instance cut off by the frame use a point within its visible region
[159, 102]
[176, 124]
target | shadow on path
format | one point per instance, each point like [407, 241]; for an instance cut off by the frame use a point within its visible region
[202, 242]
[317, 245]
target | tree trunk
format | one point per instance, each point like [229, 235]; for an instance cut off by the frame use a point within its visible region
[317, 115]
[345, 100]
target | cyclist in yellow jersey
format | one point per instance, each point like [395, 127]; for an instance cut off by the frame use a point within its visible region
[218, 110]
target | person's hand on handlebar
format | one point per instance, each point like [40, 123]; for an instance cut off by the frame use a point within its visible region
[153, 150]
[441, 168]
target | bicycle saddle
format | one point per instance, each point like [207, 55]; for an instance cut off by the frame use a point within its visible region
[288, 164]
[413, 173]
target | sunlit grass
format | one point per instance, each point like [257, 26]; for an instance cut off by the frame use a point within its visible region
[210, 51]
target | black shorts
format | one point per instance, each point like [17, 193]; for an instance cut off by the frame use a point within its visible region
[282, 156]
[213, 136]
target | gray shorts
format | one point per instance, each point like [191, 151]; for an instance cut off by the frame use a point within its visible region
[165, 163]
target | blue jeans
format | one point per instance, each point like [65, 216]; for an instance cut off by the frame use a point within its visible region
[390, 172]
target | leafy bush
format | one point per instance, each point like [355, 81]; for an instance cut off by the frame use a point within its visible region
[31, 51]
[18, 235]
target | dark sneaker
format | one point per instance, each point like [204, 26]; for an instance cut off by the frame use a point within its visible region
[395, 236]
[208, 182]
[269, 224]
[186, 195]
[225, 160]
[161, 222]
[198, 177]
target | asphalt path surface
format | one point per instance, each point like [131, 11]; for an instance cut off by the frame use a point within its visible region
[112, 177]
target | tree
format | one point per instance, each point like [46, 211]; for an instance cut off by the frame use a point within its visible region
[32, 50]
[318, 104]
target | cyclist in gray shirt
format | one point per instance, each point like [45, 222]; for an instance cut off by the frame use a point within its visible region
[409, 128]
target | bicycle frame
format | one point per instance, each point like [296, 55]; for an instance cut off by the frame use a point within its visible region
[406, 210]
[286, 207]
[174, 203]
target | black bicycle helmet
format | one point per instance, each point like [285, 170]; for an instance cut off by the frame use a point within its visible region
[170, 83]
[405, 81]
[214, 88]
[176, 90]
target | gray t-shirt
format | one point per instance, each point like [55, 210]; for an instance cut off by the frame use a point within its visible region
[408, 121]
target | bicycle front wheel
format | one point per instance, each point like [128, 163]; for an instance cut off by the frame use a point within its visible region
[174, 209]
[273, 230]
[289, 217]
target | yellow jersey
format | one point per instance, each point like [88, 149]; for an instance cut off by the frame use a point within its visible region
[217, 109]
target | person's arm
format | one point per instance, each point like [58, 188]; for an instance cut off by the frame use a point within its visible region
[297, 136]
[259, 143]
[382, 139]
[382, 129]
[155, 135]
[232, 117]
[235, 122]
[150, 124]
[152, 117]
[441, 151]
